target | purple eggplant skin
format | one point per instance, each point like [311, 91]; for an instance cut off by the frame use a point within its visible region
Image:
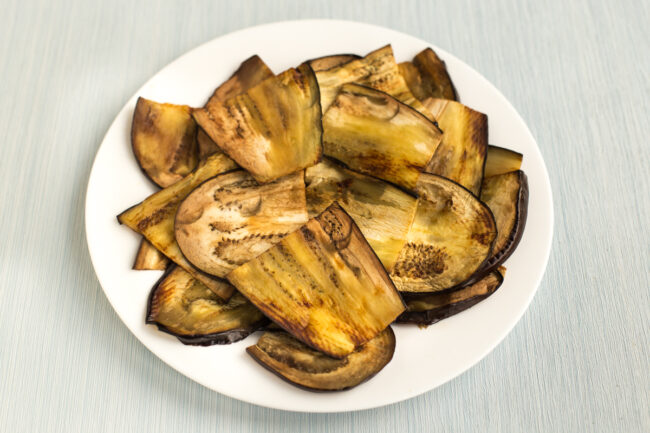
[429, 317]
[218, 338]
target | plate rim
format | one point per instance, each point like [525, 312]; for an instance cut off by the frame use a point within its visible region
[443, 54]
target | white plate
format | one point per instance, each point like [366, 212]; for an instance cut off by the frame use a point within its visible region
[425, 358]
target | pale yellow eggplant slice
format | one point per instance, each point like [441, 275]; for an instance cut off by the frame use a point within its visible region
[378, 70]
[374, 133]
[154, 218]
[231, 219]
[500, 161]
[163, 137]
[334, 61]
[272, 130]
[323, 284]
[450, 238]
[461, 154]
[184, 307]
[307, 368]
[149, 258]
[432, 308]
[427, 77]
[382, 211]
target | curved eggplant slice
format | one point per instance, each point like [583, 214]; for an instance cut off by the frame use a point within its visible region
[500, 161]
[154, 219]
[382, 212]
[323, 284]
[272, 130]
[429, 309]
[185, 308]
[377, 70]
[427, 77]
[334, 61]
[163, 137]
[461, 154]
[374, 133]
[231, 219]
[507, 197]
[149, 258]
[450, 238]
[306, 368]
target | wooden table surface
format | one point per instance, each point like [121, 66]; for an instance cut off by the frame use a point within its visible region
[578, 72]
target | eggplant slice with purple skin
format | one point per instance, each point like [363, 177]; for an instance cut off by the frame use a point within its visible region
[451, 237]
[231, 219]
[432, 308]
[427, 77]
[300, 365]
[461, 153]
[500, 161]
[154, 218]
[333, 61]
[373, 133]
[323, 284]
[273, 129]
[182, 306]
[149, 258]
[507, 197]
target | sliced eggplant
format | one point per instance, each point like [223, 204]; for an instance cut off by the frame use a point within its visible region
[149, 258]
[429, 309]
[250, 73]
[377, 70]
[427, 77]
[307, 368]
[461, 154]
[154, 218]
[323, 284]
[334, 61]
[382, 211]
[450, 238]
[500, 161]
[163, 137]
[374, 133]
[507, 197]
[185, 308]
[231, 219]
[272, 130]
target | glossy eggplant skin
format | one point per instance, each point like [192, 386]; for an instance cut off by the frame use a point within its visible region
[429, 309]
[183, 307]
[302, 366]
[149, 258]
[333, 61]
[500, 161]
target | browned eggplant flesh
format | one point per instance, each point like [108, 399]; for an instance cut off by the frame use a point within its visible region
[149, 258]
[334, 61]
[427, 77]
[307, 368]
[501, 161]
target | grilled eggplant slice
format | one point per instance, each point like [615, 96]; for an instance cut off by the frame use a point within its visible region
[382, 211]
[334, 61]
[307, 368]
[272, 130]
[231, 219]
[377, 70]
[450, 238]
[184, 307]
[429, 309]
[427, 77]
[461, 154]
[250, 73]
[149, 258]
[373, 133]
[500, 161]
[163, 137]
[154, 218]
[507, 197]
[323, 284]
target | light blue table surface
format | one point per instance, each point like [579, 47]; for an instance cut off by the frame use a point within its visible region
[577, 71]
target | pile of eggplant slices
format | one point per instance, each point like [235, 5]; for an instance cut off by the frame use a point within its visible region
[319, 206]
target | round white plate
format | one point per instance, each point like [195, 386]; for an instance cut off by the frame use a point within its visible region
[425, 358]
